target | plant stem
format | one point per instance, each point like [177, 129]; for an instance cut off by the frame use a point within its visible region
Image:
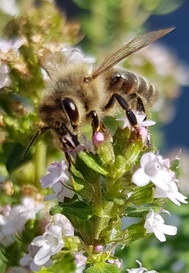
[40, 161]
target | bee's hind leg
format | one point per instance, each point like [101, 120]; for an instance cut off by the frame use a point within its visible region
[123, 103]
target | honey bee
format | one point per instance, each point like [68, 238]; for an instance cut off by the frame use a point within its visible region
[78, 93]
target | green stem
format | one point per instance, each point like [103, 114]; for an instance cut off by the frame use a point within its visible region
[39, 162]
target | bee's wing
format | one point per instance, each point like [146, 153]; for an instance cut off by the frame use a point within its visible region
[131, 47]
[52, 62]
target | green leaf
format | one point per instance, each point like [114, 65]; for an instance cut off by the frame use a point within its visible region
[85, 172]
[134, 232]
[92, 162]
[133, 150]
[13, 155]
[102, 268]
[82, 188]
[120, 140]
[143, 195]
[79, 209]
[140, 212]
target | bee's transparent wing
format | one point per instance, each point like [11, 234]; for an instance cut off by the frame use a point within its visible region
[128, 49]
[51, 62]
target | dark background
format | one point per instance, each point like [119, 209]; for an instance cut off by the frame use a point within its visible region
[177, 131]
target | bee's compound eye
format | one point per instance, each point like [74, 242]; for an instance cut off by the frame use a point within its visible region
[71, 110]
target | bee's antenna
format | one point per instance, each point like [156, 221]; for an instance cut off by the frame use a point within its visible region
[40, 131]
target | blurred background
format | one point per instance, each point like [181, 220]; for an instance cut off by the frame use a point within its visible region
[176, 130]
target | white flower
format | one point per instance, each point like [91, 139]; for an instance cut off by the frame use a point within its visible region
[58, 172]
[51, 242]
[117, 262]
[155, 224]
[64, 223]
[59, 180]
[6, 46]
[15, 222]
[4, 75]
[141, 269]
[153, 169]
[141, 124]
[9, 7]
[60, 192]
[172, 193]
[84, 145]
[80, 262]
[28, 259]
[29, 208]
[13, 44]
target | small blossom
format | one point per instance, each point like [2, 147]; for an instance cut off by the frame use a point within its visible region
[155, 224]
[80, 262]
[28, 260]
[14, 44]
[153, 169]
[60, 192]
[29, 208]
[64, 223]
[4, 76]
[5, 210]
[7, 46]
[172, 193]
[84, 145]
[140, 116]
[9, 7]
[58, 173]
[51, 242]
[141, 269]
[15, 222]
[142, 124]
[98, 137]
[99, 248]
[117, 262]
[59, 180]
